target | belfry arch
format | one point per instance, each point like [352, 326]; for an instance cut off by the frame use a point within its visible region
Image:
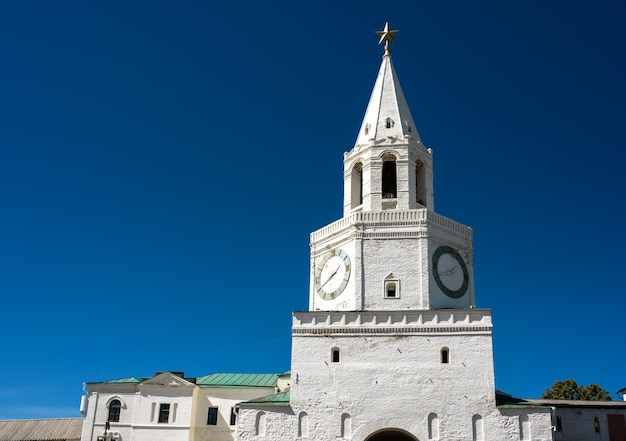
[391, 435]
[356, 185]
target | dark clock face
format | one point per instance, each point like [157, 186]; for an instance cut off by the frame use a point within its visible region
[450, 272]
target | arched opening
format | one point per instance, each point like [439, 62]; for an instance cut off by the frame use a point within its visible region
[478, 433]
[524, 428]
[260, 424]
[334, 356]
[392, 287]
[391, 435]
[346, 426]
[445, 355]
[356, 183]
[433, 426]
[390, 185]
[303, 425]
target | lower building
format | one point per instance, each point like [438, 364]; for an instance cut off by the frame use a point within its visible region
[169, 406]
[575, 420]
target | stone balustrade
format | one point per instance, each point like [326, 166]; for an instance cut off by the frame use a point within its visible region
[391, 218]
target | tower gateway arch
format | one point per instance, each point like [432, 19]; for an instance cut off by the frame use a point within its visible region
[391, 435]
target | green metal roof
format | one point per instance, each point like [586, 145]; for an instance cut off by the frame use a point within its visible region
[508, 401]
[278, 400]
[237, 380]
[122, 380]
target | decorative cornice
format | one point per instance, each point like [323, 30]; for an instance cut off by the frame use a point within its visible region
[394, 330]
[410, 322]
[391, 235]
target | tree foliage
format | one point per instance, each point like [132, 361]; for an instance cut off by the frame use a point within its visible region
[570, 390]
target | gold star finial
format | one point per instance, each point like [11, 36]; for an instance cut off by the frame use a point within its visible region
[386, 35]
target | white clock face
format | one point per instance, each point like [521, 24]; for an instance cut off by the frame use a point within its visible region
[332, 274]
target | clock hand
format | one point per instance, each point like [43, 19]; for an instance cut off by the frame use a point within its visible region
[449, 272]
[331, 276]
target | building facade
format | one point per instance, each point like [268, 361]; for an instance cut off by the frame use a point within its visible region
[392, 346]
[171, 407]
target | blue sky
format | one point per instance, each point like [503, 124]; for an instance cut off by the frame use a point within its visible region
[163, 163]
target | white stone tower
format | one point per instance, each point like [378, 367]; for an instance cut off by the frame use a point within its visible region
[392, 347]
[390, 250]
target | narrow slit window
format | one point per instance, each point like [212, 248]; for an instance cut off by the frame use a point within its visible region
[335, 355]
[420, 183]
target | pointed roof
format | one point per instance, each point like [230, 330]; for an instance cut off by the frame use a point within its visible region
[168, 379]
[387, 113]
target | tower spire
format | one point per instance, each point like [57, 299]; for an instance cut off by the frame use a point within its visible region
[387, 115]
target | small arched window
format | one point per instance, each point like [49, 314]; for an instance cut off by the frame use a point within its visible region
[115, 408]
[445, 355]
[334, 357]
[388, 123]
[596, 424]
[392, 287]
